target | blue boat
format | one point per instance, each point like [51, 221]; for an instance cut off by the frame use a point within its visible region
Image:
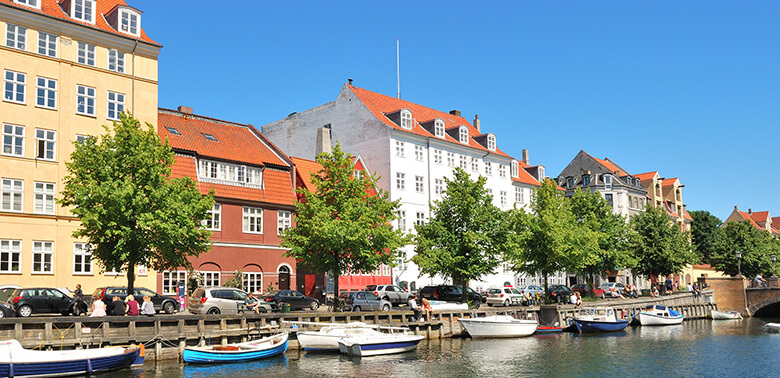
[15, 361]
[237, 352]
[600, 319]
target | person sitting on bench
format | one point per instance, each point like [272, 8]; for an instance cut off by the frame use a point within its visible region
[418, 313]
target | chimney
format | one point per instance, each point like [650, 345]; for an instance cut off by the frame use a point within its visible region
[323, 140]
[750, 211]
[476, 123]
[735, 207]
[184, 109]
[525, 156]
[455, 112]
[350, 81]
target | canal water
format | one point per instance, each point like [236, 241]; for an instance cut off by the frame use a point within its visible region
[697, 348]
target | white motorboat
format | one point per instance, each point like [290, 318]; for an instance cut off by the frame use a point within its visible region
[327, 338]
[16, 361]
[659, 315]
[772, 327]
[725, 315]
[447, 306]
[498, 326]
[383, 343]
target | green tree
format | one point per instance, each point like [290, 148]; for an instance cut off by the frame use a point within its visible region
[342, 225]
[611, 232]
[755, 245]
[704, 229]
[132, 213]
[549, 239]
[660, 247]
[466, 235]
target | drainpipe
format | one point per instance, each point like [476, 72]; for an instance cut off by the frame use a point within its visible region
[132, 88]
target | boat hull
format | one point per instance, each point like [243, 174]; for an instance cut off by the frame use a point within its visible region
[362, 347]
[772, 327]
[647, 319]
[600, 326]
[550, 329]
[123, 358]
[725, 315]
[482, 327]
[273, 346]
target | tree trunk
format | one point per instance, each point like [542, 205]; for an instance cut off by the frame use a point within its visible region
[336, 290]
[465, 295]
[131, 279]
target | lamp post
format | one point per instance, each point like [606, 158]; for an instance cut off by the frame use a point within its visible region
[739, 263]
[772, 257]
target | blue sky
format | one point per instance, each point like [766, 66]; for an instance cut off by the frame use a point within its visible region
[690, 89]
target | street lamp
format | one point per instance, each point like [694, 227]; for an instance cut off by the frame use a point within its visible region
[772, 257]
[739, 263]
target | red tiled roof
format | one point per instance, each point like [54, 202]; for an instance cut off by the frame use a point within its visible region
[526, 178]
[669, 181]
[104, 7]
[776, 221]
[306, 168]
[380, 105]
[609, 164]
[646, 175]
[748, 218]
[760, 216]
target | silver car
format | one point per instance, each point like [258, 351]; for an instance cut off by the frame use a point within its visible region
[221, 300]
[367, 301]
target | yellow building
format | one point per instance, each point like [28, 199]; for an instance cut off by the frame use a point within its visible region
[69, 67]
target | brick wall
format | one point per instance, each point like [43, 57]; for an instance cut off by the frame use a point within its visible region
[729, 292]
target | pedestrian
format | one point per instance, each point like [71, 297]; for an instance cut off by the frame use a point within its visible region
[117, 307]
[132, 306]
[98, 307]
[696, 290]
[578, 300]
[181, 292]
[418, 314]
[147, 308]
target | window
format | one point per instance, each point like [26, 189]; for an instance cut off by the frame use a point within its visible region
[402, 220]
[488, 168]
[450, 159]
[16, 36]
[116, 104]
[502, 170]
[15, 86]
[474, 164]
[491, 142]
[213, 218]
[420, 218]
[419, 184]
[116, 61]
[585, 180]
[46, 95]
[13, 140]
[438, 186]
[85, 100]
[400, 181]
[29, 3]
[400, 149]
[43, 253]
[515, 168]
[387, 270]
[502, 197]
[253, 220]
[45, 141]
[47, 44]
[44, 198]
[210, 278]
[418, 153]
[86, 53]
[253, 282]
[518, 195]
[406, 119]
[11, 195]
[607, 182]
[438, 128]
[129, 22]
[82, 258]
[437, 156]
[209, 137]
[81, 139]
[171, 280]
[608, 198]
[172, 130]
[283, 220]
[230, 174]
[463, 163]
[541, 173]
[10, 256]
[84, 10]
[490, 193]
[463, 135]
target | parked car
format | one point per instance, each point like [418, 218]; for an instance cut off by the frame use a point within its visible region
[162, 303]
[294, 298]
[44, 300]
[504, 296]
[583, 290]
[365, 301]
[392, 293]
[559, 293]
[6, 310]
[533, 289]
[222, 300]
[449, 293]
[6, 291]
[612, 289]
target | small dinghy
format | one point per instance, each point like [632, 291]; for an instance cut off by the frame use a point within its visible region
[772, 327]
[15, 361]
[237, 352]
[725, 315]
[378, 344]
[327, 338]
[498, 326]
[599, 319]
[659, 315]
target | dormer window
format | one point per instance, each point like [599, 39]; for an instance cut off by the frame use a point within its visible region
[463, 134]
[491, 142]
[585, 180]
[438, 128]
[541, 174]
[83, 10]
[406, 119]
[515, 168]
[569, 182]
[30, 3]
[607, 182]
[129, 22]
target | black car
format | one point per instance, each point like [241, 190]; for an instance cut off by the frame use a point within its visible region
[449, 293]
[161, 303]
[559, 293]
[45, 300]
[294, 298]
[6, 310]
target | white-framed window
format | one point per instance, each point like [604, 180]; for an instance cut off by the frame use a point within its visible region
[213, 219]
[403, 261]
[116, 104]
[502, 170]
[211, 278]
[438, 186]
[502, 197]
[474, 164]
[406, 119]
[387, 270]
[86, 53]
[541, 173]
[47, 44]
[489, 168]
[418, 153]
[437, 156]
[253, 282]
[230, 174]
[85, 100]
[30, 3]
[44, 198]
[518, 195]
[81, 139]
[83, 10]
[283, 220]
[82, 259]
[45, 144]
[450, 159]
[16, 36]
[42, 257]
[420, 218]
[13, 140]
[607, 182]
[253, 220]
[463, 134]
[438, 128]
[515, 168]
[116, 61]
[129, 22]
[491, 142]
[15, 86]
[171, 280]
[10, 256]
[46, 93]
[400, 181]
[11, 195]
[402, 220]
[400, 148]
[463, 162]
[419, 184]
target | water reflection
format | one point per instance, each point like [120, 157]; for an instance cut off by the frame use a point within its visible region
[234, 369]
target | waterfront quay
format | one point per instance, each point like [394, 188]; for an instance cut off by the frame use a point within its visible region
[166, 336]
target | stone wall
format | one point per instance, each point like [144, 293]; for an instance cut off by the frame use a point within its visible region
[729, 293]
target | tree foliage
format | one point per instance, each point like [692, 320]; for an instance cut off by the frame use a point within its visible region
[132, 213]
[755, 245]
[466, 235]
[704, 230]
[341, 225]
[660, 247]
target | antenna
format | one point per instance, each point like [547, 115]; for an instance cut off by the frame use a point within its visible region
[398, 66]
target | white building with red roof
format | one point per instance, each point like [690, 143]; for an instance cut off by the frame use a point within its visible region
[412, 148]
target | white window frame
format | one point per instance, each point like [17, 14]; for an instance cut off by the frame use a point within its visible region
[420, 218]
[86, 53]
[283, 220]
[518, 194]
[125, 20]
[14, 134]
[44, 198]
[474, 164]
[253, 282]
[116, 61]
[18, 83]
[437, 156]
[46, 144]
[607, 182]
[115, 105]
[463, 134]
[501, 170]
[10, 254]
[85, 100]
[16, 37]
[230, 174]
[491, 142]
[450, 159]
[86, 8]
[30, 3]
[400, 181]
[213, 219]
[169, 280]
[489, 168]
[402, 220]
[45, 93]
[418, 153]
[502, 196]
[211, 278]
[82, 259]
[463, 163]
[11, 195]
[406, 119]
[419, 184]
[400, 148]
[438, 186]
[438, 128]
[252, 220]
[42, 256]
[515, 168]
[47, 44]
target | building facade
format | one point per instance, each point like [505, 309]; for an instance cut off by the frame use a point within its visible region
[666, 194]
[761, 220]
[68, 68]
